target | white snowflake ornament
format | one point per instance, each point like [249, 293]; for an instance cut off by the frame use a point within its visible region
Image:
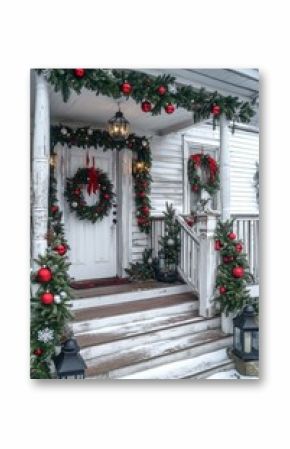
[45, 335]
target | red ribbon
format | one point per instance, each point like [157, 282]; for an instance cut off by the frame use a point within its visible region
[212, 168]
[93, 182]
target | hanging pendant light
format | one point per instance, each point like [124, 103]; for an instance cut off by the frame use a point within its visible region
[118, 126]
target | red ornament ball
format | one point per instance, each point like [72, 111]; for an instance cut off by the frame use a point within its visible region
[142, 194]
[189, 222]
[218, 245]
[215, 110]
[61, 249]
[79, 73]
[222, 290]
[232, 236]
[195, 188]
[126, 88]
[77, 191]
[106, 196]
[38, 352]
[47, 298]
[238, 272]
[44, 275]
[239, 247]
[161, 90]
[146, 106]
[54, 209]
[169, 108]
[228, 259]
[145, 210]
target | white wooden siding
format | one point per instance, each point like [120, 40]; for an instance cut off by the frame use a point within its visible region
[167, 173]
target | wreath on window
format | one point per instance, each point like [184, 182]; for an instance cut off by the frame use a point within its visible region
[210, 180]
[96, 181]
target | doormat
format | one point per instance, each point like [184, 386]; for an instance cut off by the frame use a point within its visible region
[104, 282]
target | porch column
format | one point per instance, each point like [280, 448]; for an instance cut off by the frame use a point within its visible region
[225, 168]
[40, 167]
[206, 224]
[124, 169]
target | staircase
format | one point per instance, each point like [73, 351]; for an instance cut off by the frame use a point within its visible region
[149, 333]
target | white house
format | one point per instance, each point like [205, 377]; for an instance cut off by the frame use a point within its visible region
[149, 330]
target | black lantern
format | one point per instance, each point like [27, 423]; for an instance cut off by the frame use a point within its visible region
[69, 364]
[165, 271]
[246, 335]
[118, 127]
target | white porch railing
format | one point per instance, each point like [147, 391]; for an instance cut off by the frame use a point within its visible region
[188, 266]
[247, 229]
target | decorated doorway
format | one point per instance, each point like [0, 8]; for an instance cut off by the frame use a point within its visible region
[91, 236]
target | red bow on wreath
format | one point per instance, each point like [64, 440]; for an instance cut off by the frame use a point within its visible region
[93, 177]
[212, 168]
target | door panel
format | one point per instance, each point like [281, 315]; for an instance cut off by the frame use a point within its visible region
[93, 245]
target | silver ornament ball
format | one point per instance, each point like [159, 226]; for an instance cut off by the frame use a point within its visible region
[57, 299]
[63, 131]
[63, 295]
[170, 242]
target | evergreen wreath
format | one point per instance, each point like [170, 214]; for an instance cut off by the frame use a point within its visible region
[95, 179]
[207, 163]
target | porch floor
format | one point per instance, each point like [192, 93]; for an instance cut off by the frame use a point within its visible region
[125, 288]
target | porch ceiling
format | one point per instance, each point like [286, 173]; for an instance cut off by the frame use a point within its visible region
[93, 110]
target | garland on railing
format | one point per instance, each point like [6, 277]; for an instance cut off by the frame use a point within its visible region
[233, 273]
[87, 137]
[50, 302]
[153, 93]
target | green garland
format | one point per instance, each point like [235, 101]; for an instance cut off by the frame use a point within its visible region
[207, 163]
[75, 197]
[233, 273]
[147, 88]
[49, 321]
[86, 137]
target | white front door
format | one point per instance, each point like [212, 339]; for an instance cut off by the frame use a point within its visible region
[92, 245]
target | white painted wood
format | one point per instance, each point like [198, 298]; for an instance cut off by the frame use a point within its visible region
[40, 168]
[227, 323]
[186, 330]
[97, 323]
[254, 290]
[225, 169]
[93, 246]
[125, 190]
[207, 263]
[159, 353]
[137, 295]
[184, 368]
[247, 229]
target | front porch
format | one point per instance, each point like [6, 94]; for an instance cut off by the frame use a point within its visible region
[139, 330]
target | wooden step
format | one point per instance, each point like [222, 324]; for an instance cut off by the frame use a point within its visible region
[116, 314]
[185, 328]
[146, 355]
[197, 367]
[138, 293]
[122, 331]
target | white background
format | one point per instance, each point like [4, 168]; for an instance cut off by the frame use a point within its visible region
[144, 34]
